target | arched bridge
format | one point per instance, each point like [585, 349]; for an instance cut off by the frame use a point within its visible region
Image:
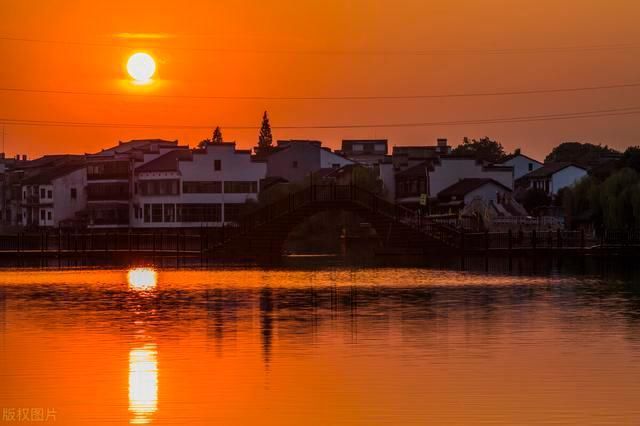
[265, 230]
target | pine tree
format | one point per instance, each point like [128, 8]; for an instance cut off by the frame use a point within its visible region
[217, 135]
[265, 140]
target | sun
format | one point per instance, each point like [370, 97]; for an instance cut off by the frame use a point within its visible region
[141, 67]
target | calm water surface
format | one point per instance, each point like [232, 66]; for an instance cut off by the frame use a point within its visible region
[332, 346]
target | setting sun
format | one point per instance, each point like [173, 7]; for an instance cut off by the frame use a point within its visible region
[141, 67]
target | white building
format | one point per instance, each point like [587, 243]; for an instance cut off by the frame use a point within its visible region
[110, 180]
[195, 188]
[467, 190]
[521, 164]
[433, 176]
[55, 195]
[552, 177]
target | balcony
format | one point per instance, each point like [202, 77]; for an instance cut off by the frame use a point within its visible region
[117, 191]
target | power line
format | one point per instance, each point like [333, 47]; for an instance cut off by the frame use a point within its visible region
[361, 52]
[615, 112]
[329, 98]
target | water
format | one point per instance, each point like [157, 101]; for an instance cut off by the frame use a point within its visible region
[319, 346]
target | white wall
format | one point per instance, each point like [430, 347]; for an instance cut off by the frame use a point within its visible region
[388, 177]
[487, 192]
[452, 170]
[521, 165]
[235, 166]
[329, 159]
[64, 207]
[566, 177]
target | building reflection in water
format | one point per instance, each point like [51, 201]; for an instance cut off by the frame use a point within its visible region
[143, 383]
[266, 322]
[142, 279]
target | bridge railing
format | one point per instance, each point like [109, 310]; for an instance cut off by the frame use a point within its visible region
[351, 193]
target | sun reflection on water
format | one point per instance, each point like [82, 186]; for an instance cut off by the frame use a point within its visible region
[142, 279]
[143, 383]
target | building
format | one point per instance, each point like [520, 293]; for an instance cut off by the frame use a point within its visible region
[552, 177]
[294, 160]
[466, 190]
[432, 176]
[110, 179]
[521, 164]
[194, 188]
[404, 157]
[10, 191]
[367, 152]
[54, 195]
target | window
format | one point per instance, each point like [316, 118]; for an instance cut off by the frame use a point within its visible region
[49, 194]
[147, 213]
[42, 214]
[530, 166]
[240, 187]
[156, 212]
[48, 215]
[108, 191]
[204, 187]
[198, 212]
[294, 165]
[159, 187]
[42, 193]
[169, 212]
[74, 193]
[217, 165]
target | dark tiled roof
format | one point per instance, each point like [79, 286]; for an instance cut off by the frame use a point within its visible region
[167, 162]
[465, 186]
[49, 160]
[50, 173]
[550, 169]
[512, 156]
[417, 170]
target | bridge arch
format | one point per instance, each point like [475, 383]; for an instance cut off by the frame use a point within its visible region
[266, 230]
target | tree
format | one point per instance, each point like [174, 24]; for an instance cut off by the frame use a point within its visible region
[203, 143]
[534, 198]
[584, 154]
[614, 203]
[631, 158]
[217, 135]
[265, 140]
[483, 149]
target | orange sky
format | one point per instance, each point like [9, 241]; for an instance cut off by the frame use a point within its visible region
[293, 48]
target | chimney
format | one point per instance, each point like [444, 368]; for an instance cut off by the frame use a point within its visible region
[24, 157]
[442, 142]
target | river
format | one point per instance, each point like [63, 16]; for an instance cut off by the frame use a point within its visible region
[318, 345]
